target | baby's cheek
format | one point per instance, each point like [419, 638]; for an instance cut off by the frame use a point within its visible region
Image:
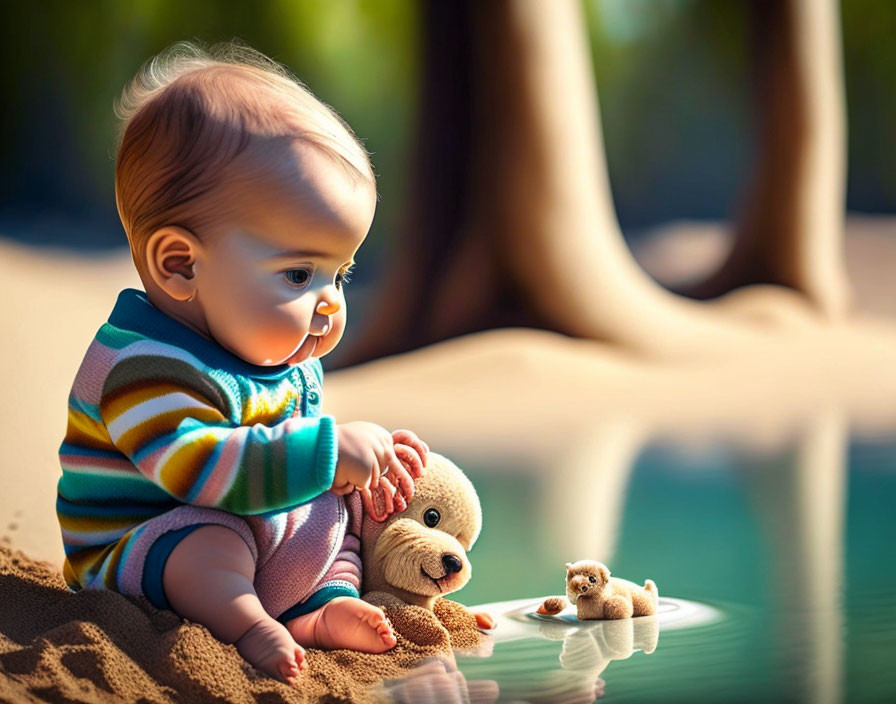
[269, 339]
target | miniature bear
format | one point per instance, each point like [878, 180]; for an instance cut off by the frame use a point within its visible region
[598, 596]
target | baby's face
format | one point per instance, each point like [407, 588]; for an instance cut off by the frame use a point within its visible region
[270, 277]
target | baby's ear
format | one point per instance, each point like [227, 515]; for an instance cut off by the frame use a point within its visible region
[170, 255]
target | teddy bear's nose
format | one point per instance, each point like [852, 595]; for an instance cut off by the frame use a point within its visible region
[451, 563]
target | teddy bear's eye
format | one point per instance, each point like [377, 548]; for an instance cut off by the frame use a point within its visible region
[592, 580]
[431, 517]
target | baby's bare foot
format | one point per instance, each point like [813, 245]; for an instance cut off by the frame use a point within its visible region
[344, 622]
[269, 647]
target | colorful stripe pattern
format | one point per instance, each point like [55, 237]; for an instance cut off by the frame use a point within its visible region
[159, 417]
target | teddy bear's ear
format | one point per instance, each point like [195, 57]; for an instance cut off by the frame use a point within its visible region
[604, 572]
[568, 566]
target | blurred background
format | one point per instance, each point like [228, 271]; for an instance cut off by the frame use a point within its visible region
[674, 77]
[758, 481]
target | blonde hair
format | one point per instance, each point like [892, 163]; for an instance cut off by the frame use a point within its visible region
[190, 111]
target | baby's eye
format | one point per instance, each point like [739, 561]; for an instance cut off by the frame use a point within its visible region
[297, 277]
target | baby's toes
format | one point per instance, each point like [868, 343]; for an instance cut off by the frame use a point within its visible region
[374, 616]
[289, 670]
[291, 666]
[385, 632]
[301, 662]
[377, 620]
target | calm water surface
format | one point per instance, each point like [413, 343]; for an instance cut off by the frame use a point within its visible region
[791, 549]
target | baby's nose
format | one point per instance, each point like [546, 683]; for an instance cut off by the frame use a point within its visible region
[327, 308]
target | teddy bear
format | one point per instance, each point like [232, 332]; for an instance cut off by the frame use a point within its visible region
[419, 555]
[599, 596]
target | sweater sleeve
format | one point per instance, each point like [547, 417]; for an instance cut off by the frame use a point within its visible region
[175, 423]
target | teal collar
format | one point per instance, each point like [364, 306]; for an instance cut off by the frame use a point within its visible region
[133, 311]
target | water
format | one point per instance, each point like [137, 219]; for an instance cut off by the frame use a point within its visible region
[786, 554]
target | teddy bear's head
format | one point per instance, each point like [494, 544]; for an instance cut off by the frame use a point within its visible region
[420, 554]
[585, 578]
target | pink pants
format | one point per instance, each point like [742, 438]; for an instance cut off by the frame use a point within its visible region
[309, 550]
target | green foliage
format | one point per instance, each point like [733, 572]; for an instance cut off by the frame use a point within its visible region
[66, 63]
[674, 80]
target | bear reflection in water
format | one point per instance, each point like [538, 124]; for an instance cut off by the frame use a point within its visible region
[588, 649]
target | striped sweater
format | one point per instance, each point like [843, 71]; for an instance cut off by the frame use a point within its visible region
[160, 416]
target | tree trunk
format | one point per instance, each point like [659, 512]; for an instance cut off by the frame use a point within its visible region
[511, 220]
[791, 222]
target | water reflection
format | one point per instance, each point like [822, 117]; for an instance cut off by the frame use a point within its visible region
[438, 682]
[561, 659]
[585, 490]
[797, 494]
[725, 483]
[588, 648]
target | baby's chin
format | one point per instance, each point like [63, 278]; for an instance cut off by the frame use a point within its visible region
[310, 346]
[307, 348]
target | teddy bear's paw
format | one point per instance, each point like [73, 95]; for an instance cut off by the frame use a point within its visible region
[463, 627]
[617, 607]
[552, 605]
[420, 626]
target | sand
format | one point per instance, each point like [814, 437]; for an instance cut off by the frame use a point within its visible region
[523, 399]
[99, 646]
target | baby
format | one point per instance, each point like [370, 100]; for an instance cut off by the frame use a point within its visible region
[197, 469]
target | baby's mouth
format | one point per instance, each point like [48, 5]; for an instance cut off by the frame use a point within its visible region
[305, 350]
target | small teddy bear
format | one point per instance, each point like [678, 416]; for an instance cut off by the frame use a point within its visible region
[598, 596]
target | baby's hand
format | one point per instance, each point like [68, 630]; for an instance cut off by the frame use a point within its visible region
[396, 483]
[411, 450]
[366, 453]
[382, 502]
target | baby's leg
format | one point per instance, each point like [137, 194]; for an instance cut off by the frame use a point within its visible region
[344, 622]
[208, 579]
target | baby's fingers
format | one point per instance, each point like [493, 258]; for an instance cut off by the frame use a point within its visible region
[342, 489]
[399, 467]
[373, 480]
[409, 437]
[411, 458]
[367, 501]
[400, 503]
[387, 491]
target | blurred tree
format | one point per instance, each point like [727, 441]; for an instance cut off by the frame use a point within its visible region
[790, 228]
[511, 220]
